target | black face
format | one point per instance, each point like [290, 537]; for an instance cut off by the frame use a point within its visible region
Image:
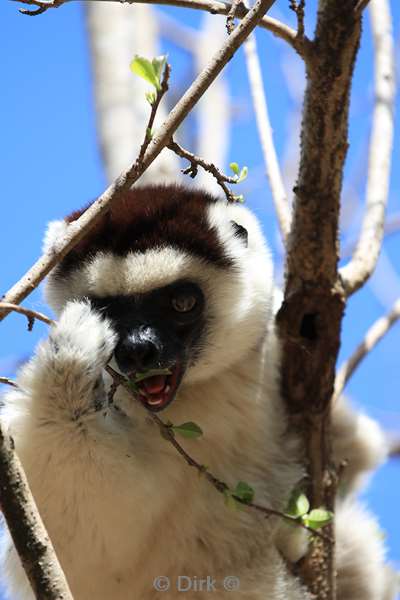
[159, 334]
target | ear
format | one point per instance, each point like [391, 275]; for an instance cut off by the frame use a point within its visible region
[241, 232]
[55, 230]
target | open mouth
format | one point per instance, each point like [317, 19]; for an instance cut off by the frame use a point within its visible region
[158, 389]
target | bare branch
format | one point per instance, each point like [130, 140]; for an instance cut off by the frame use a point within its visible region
[8, 381]
[196, 161]
[230, 19]
[298, 9]
[373, 336]
[366, 254]
[42, 6]
[30, 314]
[27, 530]
[215, 7]
[79, 228]
[168, 434]
[272, 168]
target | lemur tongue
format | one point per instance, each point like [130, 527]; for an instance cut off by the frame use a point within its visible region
[155, 384]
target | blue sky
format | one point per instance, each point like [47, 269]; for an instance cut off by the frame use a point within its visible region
[50, 164]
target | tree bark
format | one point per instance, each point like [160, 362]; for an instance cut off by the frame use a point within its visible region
[309, 320]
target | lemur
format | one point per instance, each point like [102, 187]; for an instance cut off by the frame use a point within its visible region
[173, 279]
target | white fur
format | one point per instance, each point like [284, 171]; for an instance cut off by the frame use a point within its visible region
[120, 504]
[55, 231]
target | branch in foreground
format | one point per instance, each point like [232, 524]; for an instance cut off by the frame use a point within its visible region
[8, 381]
[27, 530]
[366, 254]
[221, 487]
[79, 228]
[279, 195]
[373, 336]
[30, 314]
[196, 161]
[215, 7]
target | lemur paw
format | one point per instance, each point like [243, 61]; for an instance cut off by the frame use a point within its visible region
[82, 334]
[66, 373]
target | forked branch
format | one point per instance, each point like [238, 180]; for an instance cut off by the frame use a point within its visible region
[196, 162]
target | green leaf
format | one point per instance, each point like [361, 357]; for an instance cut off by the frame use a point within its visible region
[149, 134]
[317, 518]
[243, 174]
[298, 504]
[150, 97]
[150, 373]
[244, 491]
[158, 65]
[188, 430]
[234, 167]
[239, 198]
[144, 68]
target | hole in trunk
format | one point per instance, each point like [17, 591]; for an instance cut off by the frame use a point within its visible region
[308, 327]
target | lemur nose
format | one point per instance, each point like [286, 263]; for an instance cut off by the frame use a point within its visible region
[136, 353]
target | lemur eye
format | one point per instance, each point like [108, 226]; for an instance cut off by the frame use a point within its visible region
[183, 303]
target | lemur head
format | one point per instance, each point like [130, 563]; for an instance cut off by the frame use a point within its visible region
[184, 277]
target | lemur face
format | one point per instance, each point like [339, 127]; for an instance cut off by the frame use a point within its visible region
[184, 278]
[157, 330]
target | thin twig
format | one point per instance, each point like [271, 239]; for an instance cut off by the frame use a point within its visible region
[28, 533]
[168, 434]
[79, 228]
[298, 9]
[196, 161]
[230, 19]
[30, 314]
[374, 335]
[154, 107]
[366, 254]
[42, 6]
[8, 381]
[216, 7]
[272, 168]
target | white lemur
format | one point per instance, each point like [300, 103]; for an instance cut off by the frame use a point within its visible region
[177, 279]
